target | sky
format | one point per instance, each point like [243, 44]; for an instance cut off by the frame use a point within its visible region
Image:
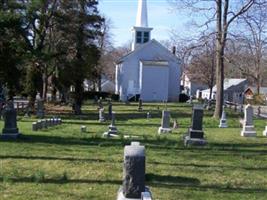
[161, 17]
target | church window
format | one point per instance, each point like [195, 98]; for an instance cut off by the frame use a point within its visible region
[146, 37]
[138, 37]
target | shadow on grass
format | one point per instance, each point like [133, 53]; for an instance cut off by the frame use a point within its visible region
[171, 180]
[158, 143]
[210, 166]
[123, 116]
[236, 146]
[67, 140]
[58, 181]
[188, 182]
[53, 158]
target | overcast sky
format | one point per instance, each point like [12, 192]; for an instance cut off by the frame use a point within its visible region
[161, 17]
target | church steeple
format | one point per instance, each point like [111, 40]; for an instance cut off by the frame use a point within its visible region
[141, 18]
[141, 31]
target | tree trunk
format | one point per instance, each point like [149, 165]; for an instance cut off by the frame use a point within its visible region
[219, 61]
[99, 83]
[78, 98]
[44, 77]
[54, 94]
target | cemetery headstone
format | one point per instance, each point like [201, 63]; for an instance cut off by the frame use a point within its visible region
[165, 122]
[223, 120]
[140, 105]
[195, 134]
[112, 129]
[148, 115]
[248, 127]
[34, 126]
[101, 115]
[40, 108]
[83, 129]
[44, 125]
[133, 173]
[39, 124]
[10, 130]
[265, 131]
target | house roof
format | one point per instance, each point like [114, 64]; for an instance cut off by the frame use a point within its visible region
[263, 90]
[141, 47]
[228, 82]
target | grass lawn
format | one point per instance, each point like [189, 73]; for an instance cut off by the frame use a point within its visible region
[62, 163]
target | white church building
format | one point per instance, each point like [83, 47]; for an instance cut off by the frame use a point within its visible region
[150, 70]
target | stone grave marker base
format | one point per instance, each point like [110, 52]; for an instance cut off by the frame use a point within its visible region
[248, 131]
[7, 136]
[101, 120]
[145, 195]
[130, 136]
[223, 124]
[164, 130]
[194, 141]
[109, 134]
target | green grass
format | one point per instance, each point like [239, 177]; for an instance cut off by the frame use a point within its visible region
[62, 163]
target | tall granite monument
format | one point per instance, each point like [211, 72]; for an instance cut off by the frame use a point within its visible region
[134, 167]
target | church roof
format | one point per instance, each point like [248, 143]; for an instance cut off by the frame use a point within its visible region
[141, 47]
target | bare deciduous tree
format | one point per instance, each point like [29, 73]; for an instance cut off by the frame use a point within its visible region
[221, 14]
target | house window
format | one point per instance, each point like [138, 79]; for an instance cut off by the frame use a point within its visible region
[146, 37]
[138, 37]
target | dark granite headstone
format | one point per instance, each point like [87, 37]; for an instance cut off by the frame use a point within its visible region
[134, 171]
[165, 121]
[196, 127]
[34, 126]
[40, 108]
[10, 129]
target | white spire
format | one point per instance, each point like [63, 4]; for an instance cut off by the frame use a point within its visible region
[141, 18]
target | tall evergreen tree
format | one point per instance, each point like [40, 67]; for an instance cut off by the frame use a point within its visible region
[11, 47]
[78, 24]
